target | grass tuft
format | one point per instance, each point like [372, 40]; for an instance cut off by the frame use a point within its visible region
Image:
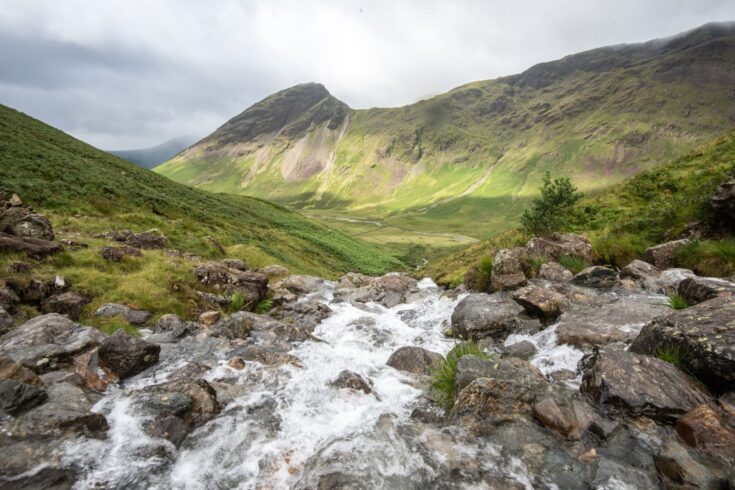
[264, 306]
[677, 302]
[708, 257]
[237, 302]
[446, 374]
[574, 263]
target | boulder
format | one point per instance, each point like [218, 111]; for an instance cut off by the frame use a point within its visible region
[209, 318]
[560, 245]
[640, 386]
[541, 302]
[6, 321]
[704, 429]
[94, 375]
[522, 350]
[69, 303]
[132, 316]
[127, 356]
[488, 315]
[20, 388]
[32, 247]
[22, 221]
[555, 272]
[415, 360]
[353, 381]
[702, 336]
[643, 274]
[297, 286]
[389, 290]
[723, 201]
[596, 277]
[698, 289]
[507, 271]
[274, 271]
[151, 239]
[240, 324]
[168, 322]
[663, 255]
[8, 299]
[267, 357]
[116, 254]
[564, 414]
[253, 286]
[679, 469]
[470, 368]
[48, 342]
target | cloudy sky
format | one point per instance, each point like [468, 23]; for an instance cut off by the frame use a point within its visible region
[133, 73]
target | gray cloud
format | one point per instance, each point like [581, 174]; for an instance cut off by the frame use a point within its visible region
[132, 73]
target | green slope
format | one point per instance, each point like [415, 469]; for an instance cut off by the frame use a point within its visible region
[469, 160]
[621, 222]
[86, 190]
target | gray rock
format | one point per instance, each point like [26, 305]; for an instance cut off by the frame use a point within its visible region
[663, 255]
[643, 274]
[132, 316]
[253, 286]
[522, 350]
[470, 368]
[353, 381]
[610, 474]
[415, 360]
[596, 277]
[541, 302]
[703, 336]
[69, 303]
[151, 239]
[698, 289]
[22, 221]
[168, 322]
[483, 315]
[6, 321]
[20, 388]
[640, 386]
[117, 254]
[507, 271]
[48, 342]
[127, 356]
[680, 469]
[560, 245]
[555, 272]
[723, 200]
[8, 299]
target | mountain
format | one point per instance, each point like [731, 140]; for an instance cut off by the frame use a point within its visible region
[87, 191]
[155, 155]
[466, 162]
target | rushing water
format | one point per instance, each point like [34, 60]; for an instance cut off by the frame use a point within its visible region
[286, 427]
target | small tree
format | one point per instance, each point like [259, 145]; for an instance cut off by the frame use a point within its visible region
[551, 211]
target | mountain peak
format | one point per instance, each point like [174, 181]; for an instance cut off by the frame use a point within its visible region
[289, 112]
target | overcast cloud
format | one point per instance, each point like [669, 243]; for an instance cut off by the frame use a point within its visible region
[132, 73]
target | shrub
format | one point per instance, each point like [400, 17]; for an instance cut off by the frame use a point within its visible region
[553, 209]
[237, 302]
[574, 263]
[446, 374]
[619, 250]
[478, 277]
[678, 302]
[708, 257]
[264, 306]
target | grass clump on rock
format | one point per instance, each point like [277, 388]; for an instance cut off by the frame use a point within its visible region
[446, 374]
[678, 302]
[574, 263]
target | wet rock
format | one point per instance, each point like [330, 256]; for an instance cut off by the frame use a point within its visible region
[703, 336]
[127, 356]
[699, 289]
[522, 350]
[20, 220]
[168, 322]
[611, 474]
[92, 373]
[607, 320]
[209, 318]
[640, 386]
[6, 321]
[228, 280]
[723, 201]
[116, 254]
[240, 324]
[237, 363]
[670, 279]
[470, 368]
[483, 315]
[268, 357]
[20, 388]
[663, 255]
[45, 477]
[66, 411]
[564, 414]
[680, 469]
[48, 342]
[69, 303]
[132, 316]
[353, 381]
[560, 245]
[596, 277]
[704, 429]
[644, 275]
[309, 313]
[389, 290]
[507, 271]
[291, 288]
[555, 272]
[415, 360]
[151, 239]
[541, 302]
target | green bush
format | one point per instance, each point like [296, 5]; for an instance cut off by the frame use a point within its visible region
[552, 210]
[678, 302]
[446, 374]
[574, 263]
[237, 302]
[478, 278]
[708, 257]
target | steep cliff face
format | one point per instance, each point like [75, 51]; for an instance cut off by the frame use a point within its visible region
[467, 160]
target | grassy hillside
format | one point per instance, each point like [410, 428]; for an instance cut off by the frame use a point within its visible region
[85, 191]
[466, 162]
[652, 207]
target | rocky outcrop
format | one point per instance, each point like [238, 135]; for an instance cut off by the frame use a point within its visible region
[541, 302]
[559, 245]
[507, 272]
[22, 221]
[224, 278]
[69, 303]
[470, 368]
[48, 342]
[151, 239]
[663, 255]
[702, 337]
[274, 271]
[596, 277]
[703, 428]
[33, 247]
[490, 315]
[681, 469]
[127, 356]
[117, 254]
[643, 275]
[640, 386]
[698, 289]
[554, 271]
[20, 388]
[131, 315]
[522, 350]
[291, 287]
[353, 381]
[389, 290]
[415, 360]
[564, 414]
